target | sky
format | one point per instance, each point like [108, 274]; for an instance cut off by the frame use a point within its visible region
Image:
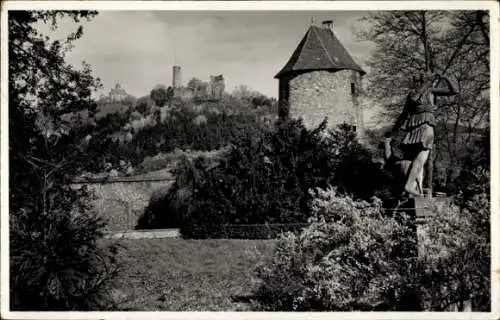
[138, 49]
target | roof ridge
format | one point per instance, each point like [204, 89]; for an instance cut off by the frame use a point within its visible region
[307, 37]
[308, 56]
[324, 47]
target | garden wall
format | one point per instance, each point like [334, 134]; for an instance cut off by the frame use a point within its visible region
[260, 231]
[122, 200]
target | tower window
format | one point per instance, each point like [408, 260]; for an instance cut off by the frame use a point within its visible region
[353, 88]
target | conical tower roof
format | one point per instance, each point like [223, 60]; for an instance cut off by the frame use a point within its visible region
[319, 50]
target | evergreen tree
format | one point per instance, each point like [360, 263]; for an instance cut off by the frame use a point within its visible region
[56, 260]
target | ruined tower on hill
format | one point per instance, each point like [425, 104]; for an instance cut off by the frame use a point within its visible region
[176, 77]
[216, 87]
[321, 80]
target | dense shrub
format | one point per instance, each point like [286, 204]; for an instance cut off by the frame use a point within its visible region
[157, 204]
[350, 259]
[356, 171]
[57, 260]
[473, 198]
[345, 260]
[257, 181]
[459, 240]
[456, 266]
[266, 179]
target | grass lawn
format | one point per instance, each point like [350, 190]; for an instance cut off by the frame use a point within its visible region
[187, 275]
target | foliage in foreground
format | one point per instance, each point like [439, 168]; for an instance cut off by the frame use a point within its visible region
[473, 186]
[456, 267]
[345, 260]
[56, 261]
[350, 259]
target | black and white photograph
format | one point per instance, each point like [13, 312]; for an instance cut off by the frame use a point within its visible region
[254, 157]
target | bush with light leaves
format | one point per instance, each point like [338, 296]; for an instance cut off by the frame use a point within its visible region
[354, 258]
[347, 259]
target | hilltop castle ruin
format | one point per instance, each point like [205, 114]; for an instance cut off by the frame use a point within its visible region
[115, 95]
[321, 80]
[213, 90]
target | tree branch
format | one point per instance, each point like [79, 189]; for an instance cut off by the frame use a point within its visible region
[479, 21]
[458, 48]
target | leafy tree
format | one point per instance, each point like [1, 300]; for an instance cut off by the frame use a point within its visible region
[194, 84]
[242, 92]
[159, 95]
[455, 43]
[56, 260]
[170, 94]
[129, 101]
[198, 87]
[143, 104]
[261, 101]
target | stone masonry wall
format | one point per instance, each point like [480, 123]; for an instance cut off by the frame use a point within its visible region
[319, 94]
[121, 203]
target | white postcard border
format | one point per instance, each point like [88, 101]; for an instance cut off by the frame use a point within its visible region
[492, 6]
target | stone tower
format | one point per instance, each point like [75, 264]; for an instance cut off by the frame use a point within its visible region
[321, 80]
[216, 87]
[176, 79]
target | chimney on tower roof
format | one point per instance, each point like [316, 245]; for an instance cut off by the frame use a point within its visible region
[328, 24]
